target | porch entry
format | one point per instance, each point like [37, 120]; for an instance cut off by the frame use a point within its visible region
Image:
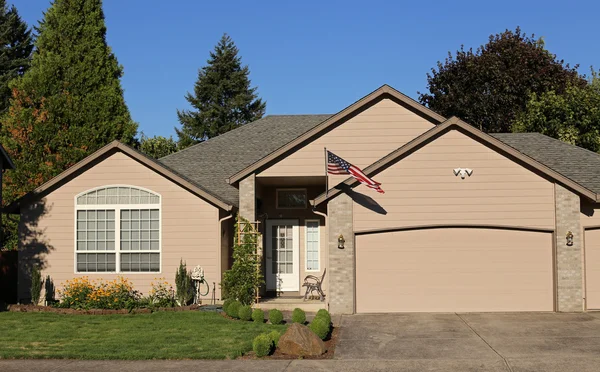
[283, 255]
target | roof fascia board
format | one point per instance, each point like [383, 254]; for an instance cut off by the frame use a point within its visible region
[441, 129]
[340, 116]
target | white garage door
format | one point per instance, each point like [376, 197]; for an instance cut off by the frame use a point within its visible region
[454, 269]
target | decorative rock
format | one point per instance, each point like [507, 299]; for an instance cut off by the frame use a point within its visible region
[300, 340]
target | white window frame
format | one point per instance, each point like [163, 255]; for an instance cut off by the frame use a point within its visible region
[117, 208]
[294, 189]
[318, 269]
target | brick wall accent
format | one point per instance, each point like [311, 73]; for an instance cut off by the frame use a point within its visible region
[569, 268]
[341, 268]
[248, 198]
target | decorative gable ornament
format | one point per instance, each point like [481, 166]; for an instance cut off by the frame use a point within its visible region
[463, 172]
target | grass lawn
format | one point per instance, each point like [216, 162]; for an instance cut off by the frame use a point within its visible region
[160, 335]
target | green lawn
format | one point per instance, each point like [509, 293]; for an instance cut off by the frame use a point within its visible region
[160, 335]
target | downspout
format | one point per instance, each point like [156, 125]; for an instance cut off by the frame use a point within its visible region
[220, 243]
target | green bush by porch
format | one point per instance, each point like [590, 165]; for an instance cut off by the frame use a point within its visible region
[165, 335]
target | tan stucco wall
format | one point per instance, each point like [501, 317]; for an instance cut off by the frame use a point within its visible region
[189, 226]
[362, 139]
[302, 215]
[422, 189]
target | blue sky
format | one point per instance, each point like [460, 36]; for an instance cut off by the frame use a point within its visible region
[311, 57]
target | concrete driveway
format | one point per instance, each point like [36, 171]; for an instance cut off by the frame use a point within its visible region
[474, 342]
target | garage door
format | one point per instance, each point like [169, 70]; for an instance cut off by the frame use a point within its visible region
[454, 269]
[592, 269]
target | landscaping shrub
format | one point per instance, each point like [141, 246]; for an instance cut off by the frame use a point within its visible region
[324, 314]
[274, 335]
[245, 312]
[320, 327]
[81, 293]
[298, 316]
[243, 280]
[275, 316]
[184, 285]
[258, 316]
[226, 304]
[233, 310]
[161, 295]
[36, 284]
[262, 345]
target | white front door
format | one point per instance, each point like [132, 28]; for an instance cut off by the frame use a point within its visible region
[283, 255]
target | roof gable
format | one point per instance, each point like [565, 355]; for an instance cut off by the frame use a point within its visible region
[101, 154]
[383, 92]
[457, 124]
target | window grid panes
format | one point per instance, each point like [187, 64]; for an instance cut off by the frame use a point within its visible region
[96, 262]
[140, 262]
[118, 195]
[312, 245]
[282, 249]
[291, 199]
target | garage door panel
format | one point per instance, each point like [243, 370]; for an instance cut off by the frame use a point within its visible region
[454, 269]
[592, 269]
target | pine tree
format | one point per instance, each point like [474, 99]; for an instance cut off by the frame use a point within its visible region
[70, 101]
[223, 99]
[16, 45]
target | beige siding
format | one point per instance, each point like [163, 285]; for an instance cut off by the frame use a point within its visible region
[363, 139]
[454, 269]
[302, 215]
[422, 189]
[189, 226]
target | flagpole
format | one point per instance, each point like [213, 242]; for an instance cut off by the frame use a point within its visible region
[326, 175]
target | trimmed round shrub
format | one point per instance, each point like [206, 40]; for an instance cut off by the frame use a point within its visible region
[226, 304]
[320, 327]
[298, 316]
[258, 316]
[233, 309]
[245, 313]
[274, 335]
[324, 314]
[275, 316]
[262, 345]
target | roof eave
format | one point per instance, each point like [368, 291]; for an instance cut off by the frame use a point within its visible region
[340, 116]
[447, 125]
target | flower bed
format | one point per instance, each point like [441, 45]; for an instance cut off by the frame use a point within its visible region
[56, 310]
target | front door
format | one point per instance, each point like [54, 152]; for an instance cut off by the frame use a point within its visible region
[283, 255]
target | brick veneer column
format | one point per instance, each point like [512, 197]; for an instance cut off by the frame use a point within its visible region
[248, 198]
[341, 261]
[569, 268]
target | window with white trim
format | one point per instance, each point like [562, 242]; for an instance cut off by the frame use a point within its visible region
[312, 246]
[117, 230]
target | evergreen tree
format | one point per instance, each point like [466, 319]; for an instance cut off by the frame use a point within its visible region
[489, 87]
[70, 101]
[157, 146]
[16, 45]
[223, 99]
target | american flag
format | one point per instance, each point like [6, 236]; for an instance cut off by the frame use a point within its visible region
[337, 165]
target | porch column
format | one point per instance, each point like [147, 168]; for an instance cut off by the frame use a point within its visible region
[569, 267]
[341, 268]
[248, 198]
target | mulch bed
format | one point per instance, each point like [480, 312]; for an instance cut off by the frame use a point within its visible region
[330, 344]
[50, 309]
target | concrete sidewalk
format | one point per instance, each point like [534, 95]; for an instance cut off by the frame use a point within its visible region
[440, 365]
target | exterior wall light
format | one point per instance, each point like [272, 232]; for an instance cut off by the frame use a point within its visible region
[341, 241]
[569, 238]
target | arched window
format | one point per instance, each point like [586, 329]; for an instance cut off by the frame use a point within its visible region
[117, 230]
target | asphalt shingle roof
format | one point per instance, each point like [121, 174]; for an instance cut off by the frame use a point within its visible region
[580, 165]
[210, 163]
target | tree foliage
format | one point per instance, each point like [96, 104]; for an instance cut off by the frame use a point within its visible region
[490, 86]
[16, 46]
[222, 100]
[244, 278]
[572, 117]
[157, 146]
[184, 285]
[70, 101]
